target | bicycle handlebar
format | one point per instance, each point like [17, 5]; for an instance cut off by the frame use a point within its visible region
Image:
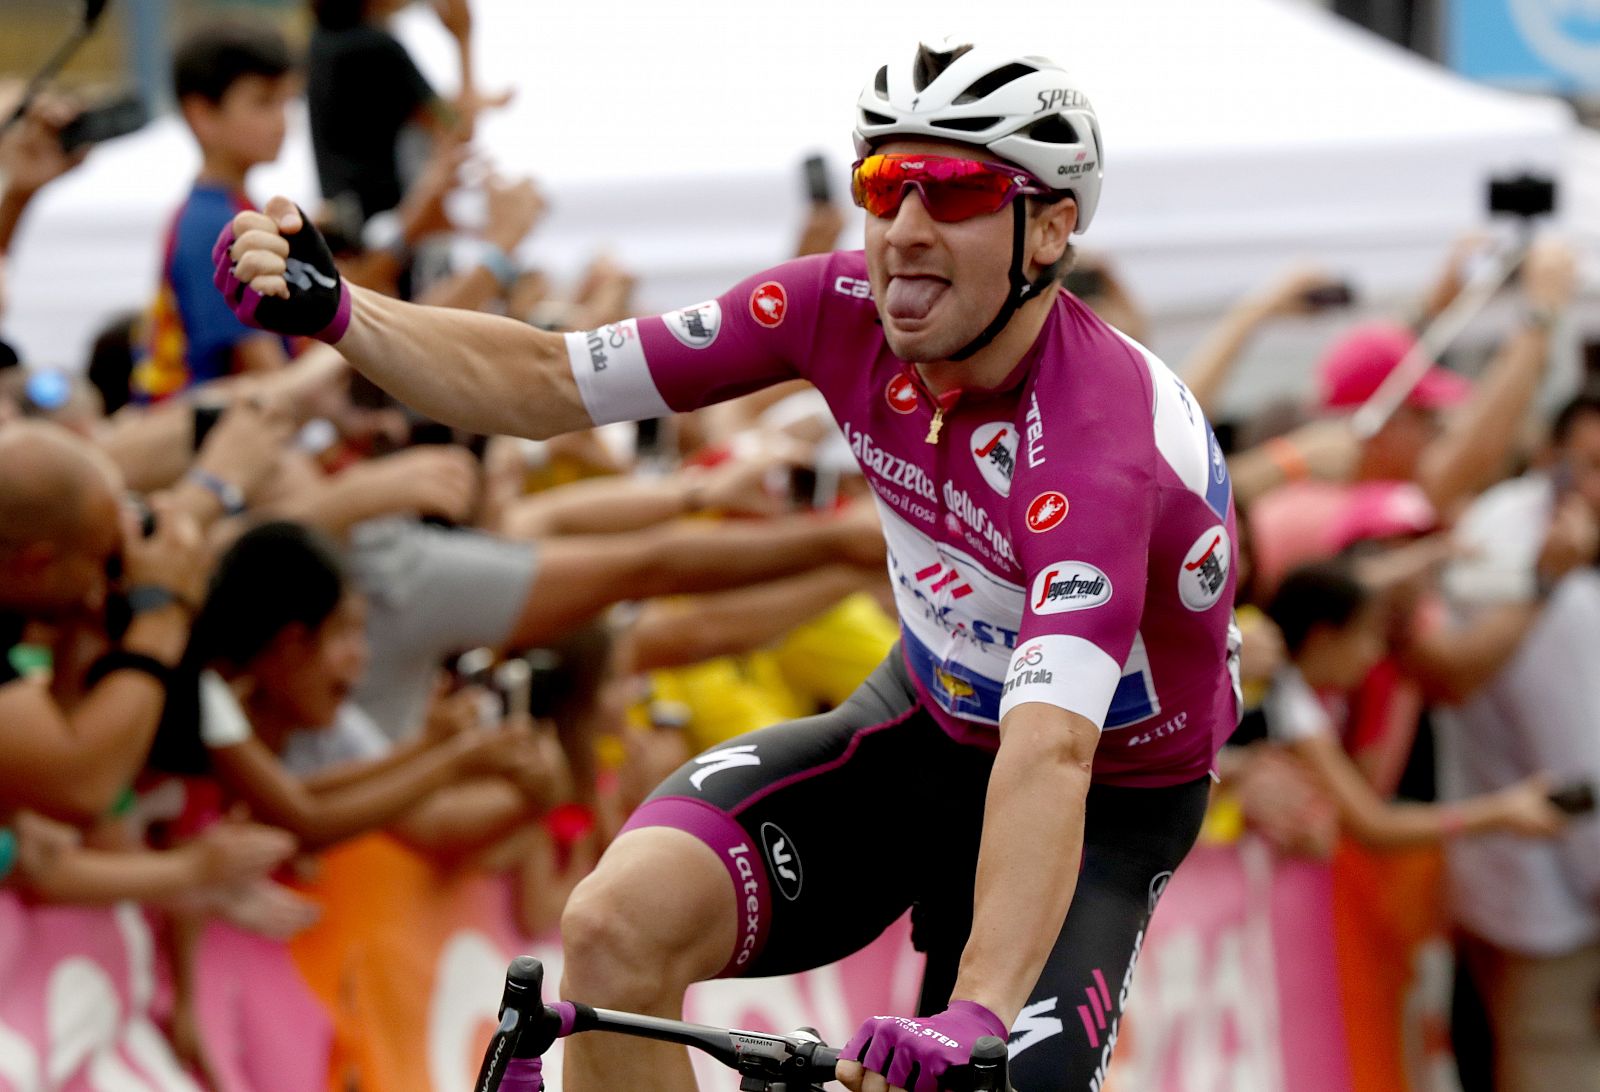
[791, 1063]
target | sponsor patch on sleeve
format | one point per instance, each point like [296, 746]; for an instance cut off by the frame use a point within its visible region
[769, 303]
[697, 326]
[1063, 586]
[1203, 576]
[1046, 511]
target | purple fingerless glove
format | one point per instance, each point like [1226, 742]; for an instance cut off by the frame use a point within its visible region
[319, 301]
[914, 1054]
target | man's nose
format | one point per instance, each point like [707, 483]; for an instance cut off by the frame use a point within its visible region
[912, 225]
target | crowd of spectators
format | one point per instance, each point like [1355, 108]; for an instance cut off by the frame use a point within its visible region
[250, 607]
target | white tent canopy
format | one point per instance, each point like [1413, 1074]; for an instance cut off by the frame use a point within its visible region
[1240, 136]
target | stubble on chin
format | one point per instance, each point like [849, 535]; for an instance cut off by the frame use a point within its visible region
[925, 347]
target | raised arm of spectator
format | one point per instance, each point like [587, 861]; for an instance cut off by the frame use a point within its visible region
[820, 232]
[155, 447]
[581, 575]
[1454, 661]
[1208, 367]
[320, 818]
[677, 631]
[470, 101]
[616, 504]
[1452, 278]
[1478, 440]
[433, 480]
[1326, 450]
[514, 210]
[1374, 821]
[224, 855]
[31, 157]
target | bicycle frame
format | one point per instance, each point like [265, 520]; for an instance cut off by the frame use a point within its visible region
[797, 1062]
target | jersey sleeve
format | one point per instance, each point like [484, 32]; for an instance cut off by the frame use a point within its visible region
[1081, 521]
[759, 333]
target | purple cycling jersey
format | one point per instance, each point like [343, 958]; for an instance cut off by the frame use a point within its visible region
[1065, 538]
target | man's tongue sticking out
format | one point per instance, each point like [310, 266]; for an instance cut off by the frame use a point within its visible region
[913, 297]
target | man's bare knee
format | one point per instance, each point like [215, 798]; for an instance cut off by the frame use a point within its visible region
[655, 916]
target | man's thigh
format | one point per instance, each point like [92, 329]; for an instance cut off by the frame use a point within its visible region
[827, 825]
[1063, 1038]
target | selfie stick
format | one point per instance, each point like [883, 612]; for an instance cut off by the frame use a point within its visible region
[1444, 329]
[92, 10]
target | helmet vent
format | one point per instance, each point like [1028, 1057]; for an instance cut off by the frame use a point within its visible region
[991, 83]
[880, 82]
[965, 125]
[870, 118]
[931, 63]
[1053, 130]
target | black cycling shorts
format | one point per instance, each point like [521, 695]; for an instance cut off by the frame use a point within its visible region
[805, 816]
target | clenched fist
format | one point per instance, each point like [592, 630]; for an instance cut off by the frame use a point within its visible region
[276, 272]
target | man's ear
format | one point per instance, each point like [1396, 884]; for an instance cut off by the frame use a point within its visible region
[1052, 230]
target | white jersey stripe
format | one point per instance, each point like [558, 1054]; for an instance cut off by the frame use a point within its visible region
[612, 374]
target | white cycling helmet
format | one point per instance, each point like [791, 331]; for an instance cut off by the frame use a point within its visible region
[1025, 110]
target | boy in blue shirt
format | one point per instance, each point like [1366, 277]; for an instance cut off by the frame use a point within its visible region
[233, 82]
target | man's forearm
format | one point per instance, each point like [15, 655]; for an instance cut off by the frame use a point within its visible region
[1029, 857]
[482, 373]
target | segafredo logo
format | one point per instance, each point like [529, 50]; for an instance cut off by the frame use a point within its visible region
[994, 449]
[784, 859]
[1067, 586]
[696, 326]
[1204, 573]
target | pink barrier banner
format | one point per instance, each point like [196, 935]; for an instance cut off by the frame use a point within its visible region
[79, 1002]
[1237, 989]
[410, 961]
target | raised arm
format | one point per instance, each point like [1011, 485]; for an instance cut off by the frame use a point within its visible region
[1478, 441]
[479, 372]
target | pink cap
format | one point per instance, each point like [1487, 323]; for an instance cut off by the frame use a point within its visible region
[1359, 362]
[1377, 510]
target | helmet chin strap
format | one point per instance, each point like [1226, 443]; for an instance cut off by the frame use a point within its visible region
[1018, 292]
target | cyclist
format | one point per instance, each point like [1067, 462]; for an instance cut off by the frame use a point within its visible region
[1031, 764]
